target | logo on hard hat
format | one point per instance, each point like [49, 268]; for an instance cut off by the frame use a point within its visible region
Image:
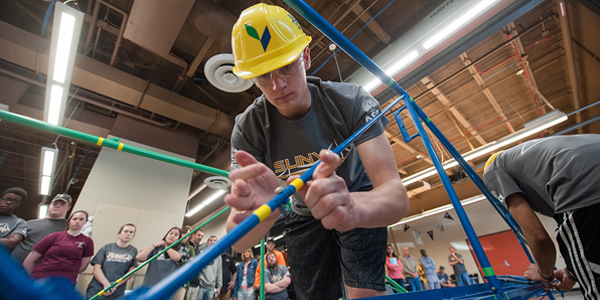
[264, 40]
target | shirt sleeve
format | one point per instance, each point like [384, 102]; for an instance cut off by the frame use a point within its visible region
[365, 110]
[21, 228]
[134, 262]
[89, 249]
[42, 246]
[100, 256]
[500, 184]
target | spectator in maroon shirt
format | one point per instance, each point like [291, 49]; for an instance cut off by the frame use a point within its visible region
[62, 254]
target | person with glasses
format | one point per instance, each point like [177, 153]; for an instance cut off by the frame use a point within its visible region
[12, 228]
[38, 229]
[339, 217]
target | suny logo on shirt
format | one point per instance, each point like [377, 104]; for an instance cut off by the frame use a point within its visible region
[286, 168]
[118, 257]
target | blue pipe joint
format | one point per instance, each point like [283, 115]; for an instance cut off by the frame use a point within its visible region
[403, 130]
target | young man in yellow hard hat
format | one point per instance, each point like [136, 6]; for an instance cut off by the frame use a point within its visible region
[335, 233]
[557, 177]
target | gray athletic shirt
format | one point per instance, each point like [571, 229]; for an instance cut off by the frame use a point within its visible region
[12, 224]
[554, 174]
[291, 147]
[115, 262]
[37, 230]
[272, 276]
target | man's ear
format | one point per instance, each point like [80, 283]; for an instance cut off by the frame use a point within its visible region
[306, 56]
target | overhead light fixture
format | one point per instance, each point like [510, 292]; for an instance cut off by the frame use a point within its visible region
[48, 160]
[275, 238]
[458, 23]
[42, 211]
[63, 50]
[530, 128]
[205, 203]
[395, 68]
[438, 210]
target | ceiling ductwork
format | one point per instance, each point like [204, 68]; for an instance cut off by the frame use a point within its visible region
[213, 21]
[22, 48]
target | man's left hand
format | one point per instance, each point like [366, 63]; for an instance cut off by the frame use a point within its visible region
[230, 285]
[327, 195]
[533, 273]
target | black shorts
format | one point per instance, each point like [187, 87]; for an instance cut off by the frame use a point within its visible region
[322, 261]
[579, 242]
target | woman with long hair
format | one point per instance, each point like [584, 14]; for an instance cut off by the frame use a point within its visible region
[112, 262]
[63, 253]
[244, 279]
[165, 264]
[394, 266]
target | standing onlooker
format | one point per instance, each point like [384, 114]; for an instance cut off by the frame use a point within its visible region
[211, 277]
[40, 228]
[394, 266]
[410, 270]
[12, 228]
[187, 252]
[444, 279]
[429, 269]
[165, 264]
[270, 247]
[277, 279]
[62, 254]
[194, 284]
[112, 262]
[229, 273]
[460, 272]
[244, 279]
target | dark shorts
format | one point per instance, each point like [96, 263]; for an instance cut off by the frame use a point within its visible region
[579, 240]
[322, 261]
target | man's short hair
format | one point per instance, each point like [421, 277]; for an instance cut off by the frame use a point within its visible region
[17, 191]
[270, 240]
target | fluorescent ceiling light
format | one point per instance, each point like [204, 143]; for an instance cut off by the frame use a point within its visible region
[438, 210]
[532, 127]
[394, 69]
[55, 108]
[206, 202]
[63, 47]
[275, 238]
[48, 160]
[42, 211]
[458, 23]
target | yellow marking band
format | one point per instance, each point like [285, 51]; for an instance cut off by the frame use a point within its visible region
[120, 148]
[119, 280]
[262, 212]
[101, 293]
[297, 183]
[100, 141]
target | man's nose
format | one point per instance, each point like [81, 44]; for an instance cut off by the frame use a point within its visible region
[278, 81]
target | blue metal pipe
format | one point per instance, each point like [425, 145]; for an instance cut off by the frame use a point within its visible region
[167, 287]
[318, 21]
[506, 216]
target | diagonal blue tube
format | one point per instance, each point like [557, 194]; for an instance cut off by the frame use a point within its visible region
[167, 287]
[319, 22]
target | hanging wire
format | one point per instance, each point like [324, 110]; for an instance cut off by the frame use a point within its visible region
[332, 48]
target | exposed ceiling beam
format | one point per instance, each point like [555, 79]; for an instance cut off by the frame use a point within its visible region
[365, 16]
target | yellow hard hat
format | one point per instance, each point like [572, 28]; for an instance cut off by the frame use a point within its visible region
[265, 38]
[491, 159]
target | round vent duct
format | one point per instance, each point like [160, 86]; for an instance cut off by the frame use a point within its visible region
[217, 182]
[219, 72]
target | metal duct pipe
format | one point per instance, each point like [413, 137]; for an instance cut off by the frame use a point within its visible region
[87, 100]
[213, 21]
[565, 27]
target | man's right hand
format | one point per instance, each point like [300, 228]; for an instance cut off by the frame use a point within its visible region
[252, 186]
[565, 284]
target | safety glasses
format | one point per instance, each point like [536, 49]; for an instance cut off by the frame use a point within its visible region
[285, 72]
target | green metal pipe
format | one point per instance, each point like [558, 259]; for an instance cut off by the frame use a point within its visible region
[110, 143]
[395, 285]
[262, 269]
[112, 285]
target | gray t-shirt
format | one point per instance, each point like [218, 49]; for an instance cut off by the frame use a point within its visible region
[115, 262]
[37, 230]
[272, 276]
[291, 147]
[159, 268]
[554, 174]
[458, 268]
[12, 224]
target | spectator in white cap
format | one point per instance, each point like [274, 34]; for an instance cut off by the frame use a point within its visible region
[38, 229]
